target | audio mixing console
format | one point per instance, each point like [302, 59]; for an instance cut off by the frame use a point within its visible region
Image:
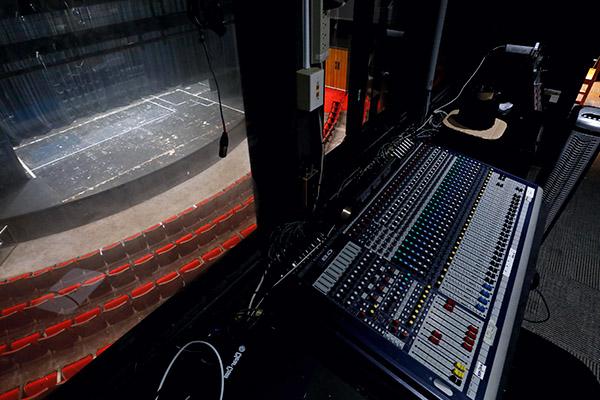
[429, 275]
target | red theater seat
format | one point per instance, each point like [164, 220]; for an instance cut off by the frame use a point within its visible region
[91, 260]
[60, 269]
[113, 253]
[69, 370]
[187, 244]
[166, 255]
[144, 296]
[189, 216]
[212, 255]
[102, 349]
[191, 270]
[14, 287]
[223, 223]
[41, 385]
[248, 230]
[145, 266]
[206, 233]
[233, 241]
[42, 279]
[154, 234]
[12, 394]
[134, 244]
[169, 284]
[172, 225]
[117, 310]
[59, 337]
[33, 309]
[15, 318]
[88, 323]
[97, 286]
[120, 276]
[26, 349]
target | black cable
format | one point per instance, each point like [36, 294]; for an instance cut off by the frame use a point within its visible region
[224, 141]
[541, 321]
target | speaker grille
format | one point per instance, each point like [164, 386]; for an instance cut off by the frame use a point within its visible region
[579, 151]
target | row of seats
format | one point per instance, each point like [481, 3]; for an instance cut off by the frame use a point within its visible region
[42, 386]
[41, 280]
[61, 337]
[26, 314]
[332, 120]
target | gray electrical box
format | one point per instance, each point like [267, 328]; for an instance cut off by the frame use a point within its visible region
[310, 86]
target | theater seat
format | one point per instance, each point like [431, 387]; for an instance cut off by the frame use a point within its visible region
[248, 230]
[40, 385]
[212, 255]
[102, 349]
[117, 310]
[172, 225]
[187, 244]
[238, 214]
[113, 253]
[59, 337]
[120, 276]
[14, 287]
[144, 296]
[26, 349]
[88, 323]
[134, 244]
[42, 279]
[97, 286]
[191, 270]
[14, 318]
[93, 261]
[189, 216]
[232, 242]
[69, 370]
[166, 254]
[169, 284]
[154, 234]
[223, 223]
[37, 310]
[60, 269]
[12, 394]
[205, 233]
[145, 266]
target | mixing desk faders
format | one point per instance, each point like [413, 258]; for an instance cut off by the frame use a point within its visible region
[429, 275]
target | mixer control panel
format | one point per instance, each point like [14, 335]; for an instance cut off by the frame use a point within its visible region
[433, 267]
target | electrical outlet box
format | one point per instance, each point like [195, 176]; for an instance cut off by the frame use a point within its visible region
[310, 88]
[319, 32]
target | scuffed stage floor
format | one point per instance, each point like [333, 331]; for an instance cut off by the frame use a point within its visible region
[108, 149]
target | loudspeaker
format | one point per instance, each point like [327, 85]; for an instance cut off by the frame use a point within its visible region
[574, 161]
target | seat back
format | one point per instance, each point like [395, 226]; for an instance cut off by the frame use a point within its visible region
[120, 276]
[117, 310]
[134, 244]
[145, 266]
[113, 253]
[69, 370]
[88, 323]
[187, 244]
[172, 225]
[144, 296]
[191, 270]
[166, 254]
[40, 385]
[169, 284]
[154, 234]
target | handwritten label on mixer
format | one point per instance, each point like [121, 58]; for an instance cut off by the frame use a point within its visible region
[479, 370]
[509, 262]
[529, 194]
[490, 333]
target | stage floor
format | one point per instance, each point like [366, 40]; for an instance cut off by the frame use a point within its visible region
[108, 149]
